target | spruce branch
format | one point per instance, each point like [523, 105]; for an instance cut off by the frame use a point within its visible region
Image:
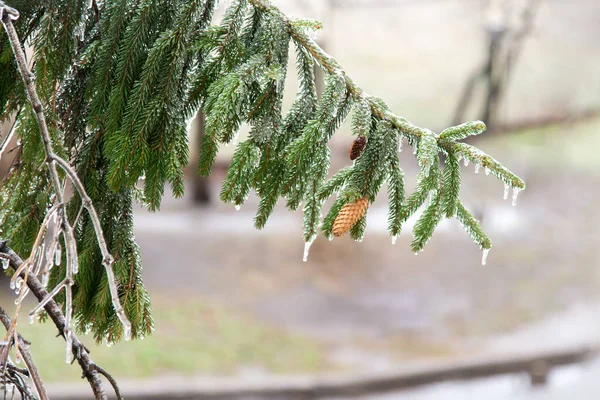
[51, 161]
[373, 118]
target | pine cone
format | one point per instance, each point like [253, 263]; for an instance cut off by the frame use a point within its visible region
[357, 147]
[349, 215]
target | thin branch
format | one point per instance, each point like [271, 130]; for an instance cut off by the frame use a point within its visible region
[54, 312]
[26, 356]
[112, 381]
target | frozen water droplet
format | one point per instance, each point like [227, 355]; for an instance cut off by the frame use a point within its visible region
[57, 254]
[400, 144]
[31, 318]
[477, 167]
[238, 207]
[415, 150]
[18, 358]
[330, 238]
[466, 162]
[5, 263]
[515, 195]
[17, 301]
[416, 253]
[307, 249]
[506, 189]
[487, 171]
[12, 285]
[394, 238]
[485, 256]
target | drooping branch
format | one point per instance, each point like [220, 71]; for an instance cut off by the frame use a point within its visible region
[7, 15]
[378, 110]
[53, 310]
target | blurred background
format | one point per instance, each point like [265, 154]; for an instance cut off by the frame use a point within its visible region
[239, 304]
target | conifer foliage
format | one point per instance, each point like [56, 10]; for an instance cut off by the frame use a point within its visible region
[118, 80]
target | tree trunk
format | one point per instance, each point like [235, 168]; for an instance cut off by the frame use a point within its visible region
[200, 184]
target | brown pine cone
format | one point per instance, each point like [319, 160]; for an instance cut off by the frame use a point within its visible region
[357, 147]
[348, 216]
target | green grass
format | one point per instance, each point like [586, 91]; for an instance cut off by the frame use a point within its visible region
[190, 337]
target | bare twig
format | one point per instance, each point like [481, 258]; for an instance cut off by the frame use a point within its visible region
[26, 356]
[112, 381]
[54, 312]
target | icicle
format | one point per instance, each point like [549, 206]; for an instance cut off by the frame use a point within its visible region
[477, 167]
[45, 276]
[69, 357]
[515, 195]
[11, 285]
[127, 333]
[330, 238]
[506, 189]
[487, 171]
[416, 253]
[307, 249]
[394, 238]
[485, 256]
[5, 263]
[415, 150]
[31, 319]
[400, 144]
[466, 162]
[57, 254]
[238, 207]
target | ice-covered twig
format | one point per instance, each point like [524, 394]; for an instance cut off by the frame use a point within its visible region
[26, 356]
[7, 15]
[80, 352]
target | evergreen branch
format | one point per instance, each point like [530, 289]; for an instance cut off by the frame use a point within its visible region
[480, 158]
[335, 183]
[378, 108]
[52, 159]
[427, 150]
[366, 178]
[451, 183]
[58, 318]
[426, 224]
[463, 131]
[396, 197]
[473, 227]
